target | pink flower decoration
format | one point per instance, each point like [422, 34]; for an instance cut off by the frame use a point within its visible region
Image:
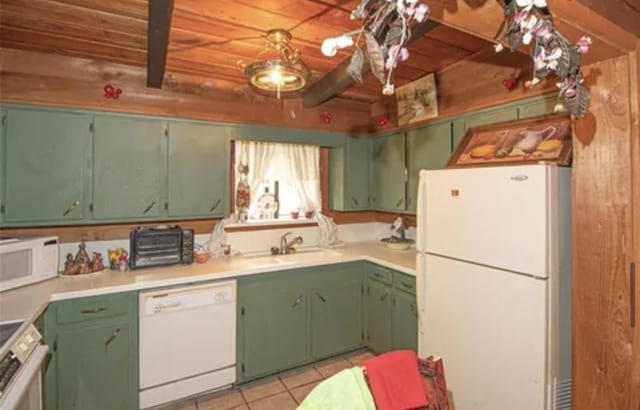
[421, 12]
[521, 15]
[396, 54]
[583, 44]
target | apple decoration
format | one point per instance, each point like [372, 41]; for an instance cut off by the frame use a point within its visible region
[383, 120]
[326, 117]
[510, 83]
[111, 92]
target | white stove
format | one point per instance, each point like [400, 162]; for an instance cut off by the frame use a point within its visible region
[21, 356]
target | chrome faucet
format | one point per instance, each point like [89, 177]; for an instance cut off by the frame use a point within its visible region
[287, 247]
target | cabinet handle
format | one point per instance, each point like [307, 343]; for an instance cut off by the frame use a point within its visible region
[414, 308]
[297, 302]
[151, 205]
[71, 208]
[384, 295]
[632, 298]
[400, 201]
[321, 297]
[113, 336]
[213, 208]
[354, 201]
[93, 311]
[407, 285]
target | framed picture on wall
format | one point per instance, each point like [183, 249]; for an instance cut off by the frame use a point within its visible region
[417, 100]
[532, 140]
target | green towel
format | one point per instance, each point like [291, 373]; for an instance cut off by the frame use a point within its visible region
[346, 390]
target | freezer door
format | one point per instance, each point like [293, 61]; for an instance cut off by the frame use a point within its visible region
[494, 216]
[489, 328]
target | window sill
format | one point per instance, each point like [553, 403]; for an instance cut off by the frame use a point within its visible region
[261, 224]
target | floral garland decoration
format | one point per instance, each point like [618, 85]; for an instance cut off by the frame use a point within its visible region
[530, 21]
[386, 28]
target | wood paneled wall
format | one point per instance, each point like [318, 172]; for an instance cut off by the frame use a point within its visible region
[602, 241]
[470, 85]
[38, 78]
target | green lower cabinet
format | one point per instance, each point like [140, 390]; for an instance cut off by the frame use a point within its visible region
[336, 313]
[94, 360]
[404, 321]
[94, 364]
[378, 308]
[272, 324]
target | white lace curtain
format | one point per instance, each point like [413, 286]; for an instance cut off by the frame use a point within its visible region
[289, 163]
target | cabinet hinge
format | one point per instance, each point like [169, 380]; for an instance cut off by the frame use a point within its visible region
[4, 120]
[91, 127]
[368, 290]
[55, 346]
[166, 131]
[90, 207]
[242, 312]
[242, 367]
[2, 209]
[166, 206]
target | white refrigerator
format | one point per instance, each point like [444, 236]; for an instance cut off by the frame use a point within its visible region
[494, 284]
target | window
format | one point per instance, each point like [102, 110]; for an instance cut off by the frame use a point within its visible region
[283, 178]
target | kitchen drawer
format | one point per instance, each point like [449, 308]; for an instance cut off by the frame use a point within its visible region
[95, 307]
[405, 283]
[380, 274]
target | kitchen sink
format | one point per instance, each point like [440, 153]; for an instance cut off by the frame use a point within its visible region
[300, 254]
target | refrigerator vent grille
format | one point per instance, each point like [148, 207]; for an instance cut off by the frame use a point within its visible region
[561, 394]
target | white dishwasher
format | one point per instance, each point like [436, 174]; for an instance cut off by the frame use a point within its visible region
[187, 341]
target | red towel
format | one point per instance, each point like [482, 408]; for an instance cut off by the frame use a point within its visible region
[395, 381]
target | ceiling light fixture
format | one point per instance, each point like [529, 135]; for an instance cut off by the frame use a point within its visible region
[284, 73]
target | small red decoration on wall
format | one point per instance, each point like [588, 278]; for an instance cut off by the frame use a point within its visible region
[326, 117]
[511, 82]
[383, 120]
[112, 92]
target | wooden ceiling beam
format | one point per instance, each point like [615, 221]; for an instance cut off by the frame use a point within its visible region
[624, 13]
[158, 40]
[336, 80]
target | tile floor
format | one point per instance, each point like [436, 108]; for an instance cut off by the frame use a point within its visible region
[280, 392]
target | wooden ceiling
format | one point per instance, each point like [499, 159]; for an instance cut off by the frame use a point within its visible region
[208, 38]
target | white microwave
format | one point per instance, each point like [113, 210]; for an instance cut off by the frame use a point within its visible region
[27, 260]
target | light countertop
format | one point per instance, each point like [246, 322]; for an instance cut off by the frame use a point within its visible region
[29, 301]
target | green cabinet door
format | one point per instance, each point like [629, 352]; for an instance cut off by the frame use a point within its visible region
[46, 161]
[128, 168]
[3, 116]
[272, 326]
[462, 124]
[198, 170]
[388, 173]
[404, 320]
[427, 148]
[96, 367]
[538, 106]
[378, 316]
[336, 310]
[358, 168]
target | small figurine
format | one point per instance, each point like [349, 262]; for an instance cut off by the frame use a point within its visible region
[123, 263]
[82, 255]
[398, 229]
[96, 263]
[70, 267]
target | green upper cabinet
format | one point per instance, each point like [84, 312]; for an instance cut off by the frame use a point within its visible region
[336, 309]
[198, 170]
[427, 148]
[486, 117]
[272, 324]
[538, 106]
[46, 160]
[128, 169]
[349, 171]
[388, 173]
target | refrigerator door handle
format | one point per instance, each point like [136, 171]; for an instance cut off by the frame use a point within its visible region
[421, 213]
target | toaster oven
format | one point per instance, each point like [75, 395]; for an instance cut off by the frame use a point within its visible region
[160, 246]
